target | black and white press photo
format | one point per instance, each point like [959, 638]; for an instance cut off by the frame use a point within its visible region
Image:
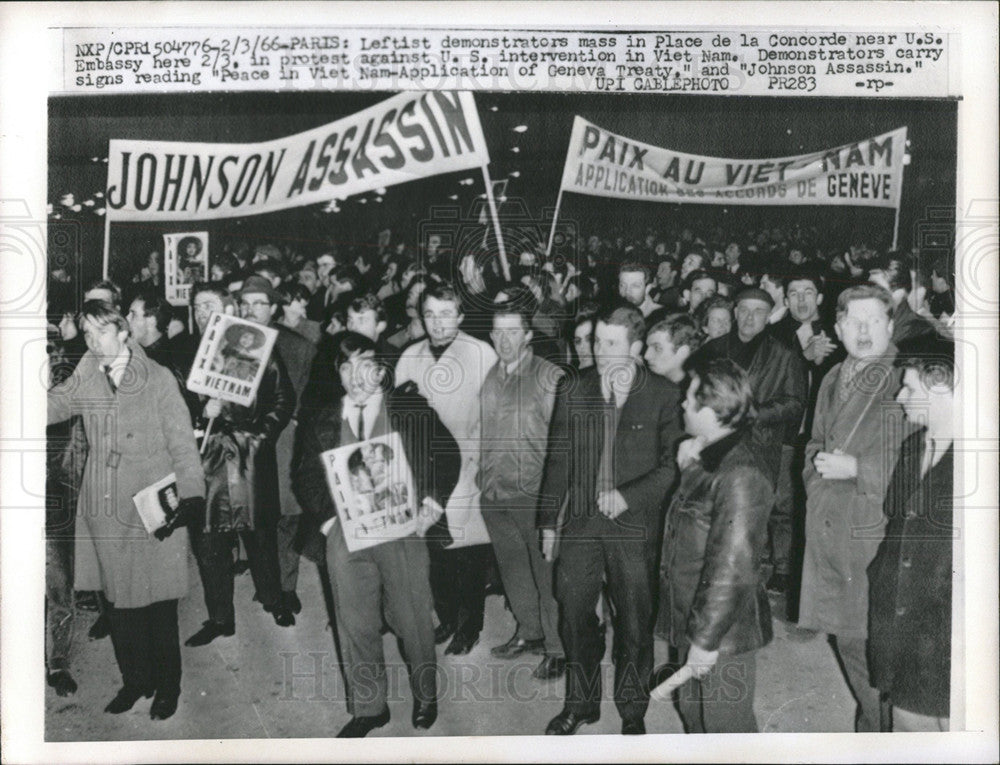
[410, 379]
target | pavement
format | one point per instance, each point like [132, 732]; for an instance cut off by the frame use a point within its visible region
[273, 682]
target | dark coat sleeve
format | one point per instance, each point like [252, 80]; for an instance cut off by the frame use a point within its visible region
[431, 450]
[271, 410]
[742, 502]
[787, 403]
[555, 483]
[648, 491]
[308, 474]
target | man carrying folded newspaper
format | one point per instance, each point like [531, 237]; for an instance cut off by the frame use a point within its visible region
[139, 433]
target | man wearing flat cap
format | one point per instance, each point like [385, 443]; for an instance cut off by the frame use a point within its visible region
[777, 378]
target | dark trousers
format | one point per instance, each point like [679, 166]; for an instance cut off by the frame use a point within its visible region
[288, 556]
[722, 700]
[779, 523]
[147, 647]
[59, 602]
[655, 527]
[526, 575]
[214, 553]
[394, 576]
[584, 559]
[852, 654]
[287, 525]
[458, 583]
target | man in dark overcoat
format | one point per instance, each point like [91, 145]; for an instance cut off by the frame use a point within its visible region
[610, 454]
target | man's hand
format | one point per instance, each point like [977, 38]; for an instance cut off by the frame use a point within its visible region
[688, 451]
[818, 348]
[611, 504]
[213, 408]
[548, 544]
[701, 661]
[428, 514]
[836, 466]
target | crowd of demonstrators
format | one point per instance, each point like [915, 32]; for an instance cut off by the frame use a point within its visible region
[673, 424]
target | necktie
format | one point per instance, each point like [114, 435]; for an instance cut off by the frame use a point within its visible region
[928, 456]
[361, 422]
[111, 382]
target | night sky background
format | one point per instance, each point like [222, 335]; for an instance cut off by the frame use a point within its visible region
[737, 127]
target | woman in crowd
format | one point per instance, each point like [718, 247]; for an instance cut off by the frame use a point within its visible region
[293, 312]
[715, 316]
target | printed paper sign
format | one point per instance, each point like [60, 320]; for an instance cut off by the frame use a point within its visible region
[186, 262]
[231, 359]
[372, 486]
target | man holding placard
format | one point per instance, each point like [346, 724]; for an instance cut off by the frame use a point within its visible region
[240, 463]
[386, 571]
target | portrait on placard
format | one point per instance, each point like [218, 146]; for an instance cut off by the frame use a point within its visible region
[373, 488]
[231, 359]
[186, 263]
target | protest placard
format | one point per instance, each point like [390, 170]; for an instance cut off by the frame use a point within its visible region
[372, 485]
[186, 262]
[231, 359]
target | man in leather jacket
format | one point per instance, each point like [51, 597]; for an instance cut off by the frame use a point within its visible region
[241, 446]
[716, 531]
[775, 371]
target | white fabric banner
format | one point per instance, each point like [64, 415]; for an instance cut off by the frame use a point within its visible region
[408, 136]
[868, 173]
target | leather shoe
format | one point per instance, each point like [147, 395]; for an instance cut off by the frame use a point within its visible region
[551, 668]
[566, 723]
[635, 727]
[126, 698]
[282, 616]
[291, 601]
[424, 714]
[778, 584]
[444, 631]
[62, 681]
[86, 600]
[210, 631]
[100, 629]
[461, 644]
[359, 727]
[164, 705]
[516, 646]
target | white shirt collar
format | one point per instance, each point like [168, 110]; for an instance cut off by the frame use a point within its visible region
[512, 367]
[349, 412]
[116, 369]
[804, 332]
